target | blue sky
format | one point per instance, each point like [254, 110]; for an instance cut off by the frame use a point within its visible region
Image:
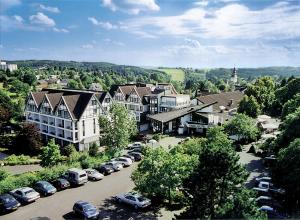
[186, 33]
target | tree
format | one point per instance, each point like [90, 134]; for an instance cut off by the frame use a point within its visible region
[174, 167]
[118, 126]
[290, 106]
[93, 150]
[290, 130]
[287, 173]
[68, 150]
[28, 139]
[249, 106]
[215, 187]
[29, 78]
[50, 155]
[3, 174]
[263, 90]
[243, 127]
[288, 91]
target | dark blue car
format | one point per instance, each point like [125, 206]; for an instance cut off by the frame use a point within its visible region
[8, 203]
[85, 210]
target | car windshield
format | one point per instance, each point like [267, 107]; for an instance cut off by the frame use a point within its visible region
[88, 207]
[47, 186]
[141, 199]
[8, 199]
[82, 175]
[28, 192]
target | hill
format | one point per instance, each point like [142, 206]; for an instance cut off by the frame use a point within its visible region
[177, 74]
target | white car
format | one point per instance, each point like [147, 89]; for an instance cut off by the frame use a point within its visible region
[93, 174]
[117, 166]
[263, 178]
[25, 194]
[126, 162]
[134, 199]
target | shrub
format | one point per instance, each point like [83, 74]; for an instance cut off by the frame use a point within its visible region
[157, 137]
[19, 160]
[3, 174]
[68, 150]
[93, 150]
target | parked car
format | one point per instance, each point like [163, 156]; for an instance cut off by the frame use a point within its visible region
[8, 203]
[126, 162]
[137, 156]
[105, 169]
[93, 174]
[268, 201]
[271, 212]
[45, 188]
[85, 210]
[25, 194]
[263, 179]
[76, 176]
[270, 187]
[129, 156]
[135, 150]
[134, 199]
[135, 145]
[117, 166]
[61, 184]
[261, 191]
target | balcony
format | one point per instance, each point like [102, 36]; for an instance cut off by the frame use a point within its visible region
[51, 122]
[52, 132]
[45, 122]
[37, 119]
[69, 127]
[60, 125]
[45, 131]
[30, 118]
[70, 138]
[61, 135]
[192, 124]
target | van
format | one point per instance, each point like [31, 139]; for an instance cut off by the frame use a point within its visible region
[76, 176]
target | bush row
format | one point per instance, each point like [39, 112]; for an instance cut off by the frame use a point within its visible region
[19, 160]
[76, 159]
[28, 179]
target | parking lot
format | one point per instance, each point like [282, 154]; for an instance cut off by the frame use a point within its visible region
[59, 206]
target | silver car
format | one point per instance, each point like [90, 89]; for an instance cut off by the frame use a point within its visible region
[134, 199]
[126, 162]
[93, 174]
[117, 166]
[25, 194]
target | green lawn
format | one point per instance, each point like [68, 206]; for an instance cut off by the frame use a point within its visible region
[176, 74]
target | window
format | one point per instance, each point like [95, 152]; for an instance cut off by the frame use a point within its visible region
[76, 125]
[95, 111]
[76, 135]
[83, 129]
[94, 102]
[94, 126]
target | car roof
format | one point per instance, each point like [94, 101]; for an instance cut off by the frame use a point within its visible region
[265, 207]
[264, 197]
[5, 196]
[264, 182]
[42, 182]
[80, 202]
[24, 188]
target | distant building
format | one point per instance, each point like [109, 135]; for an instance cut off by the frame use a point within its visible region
[234, 78]
[5, 66]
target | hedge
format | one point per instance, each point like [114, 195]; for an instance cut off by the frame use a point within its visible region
[19, 160]
[50, 173]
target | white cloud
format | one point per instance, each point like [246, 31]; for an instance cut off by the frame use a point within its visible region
[49, 8]
[6, 4]
[109, 4]
[110, 41]
[232, 21]
[42, 19]
[18, 18]
[60, 30]
[87, 46]
[106, 25]
[131, 6]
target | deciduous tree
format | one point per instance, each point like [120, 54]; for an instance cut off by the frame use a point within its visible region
[249, 106]
[50, 155]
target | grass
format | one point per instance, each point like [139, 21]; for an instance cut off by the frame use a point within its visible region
[176, 74]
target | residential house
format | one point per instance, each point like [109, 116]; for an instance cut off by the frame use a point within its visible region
[105, 100]
[193, 119]
[67, 116]
[225, 103]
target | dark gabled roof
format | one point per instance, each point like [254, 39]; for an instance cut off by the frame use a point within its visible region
[222, 99]
[54, 99]
[77, 103]
[101, 95]
[142, 91]
[38, 97]
[171, 115]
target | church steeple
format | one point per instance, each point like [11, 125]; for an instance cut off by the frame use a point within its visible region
[234, 75]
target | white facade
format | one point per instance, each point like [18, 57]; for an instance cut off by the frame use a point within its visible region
[172, 102]
[5, 66]
[59, 123]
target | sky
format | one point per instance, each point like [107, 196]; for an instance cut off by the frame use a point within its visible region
[173, 33]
